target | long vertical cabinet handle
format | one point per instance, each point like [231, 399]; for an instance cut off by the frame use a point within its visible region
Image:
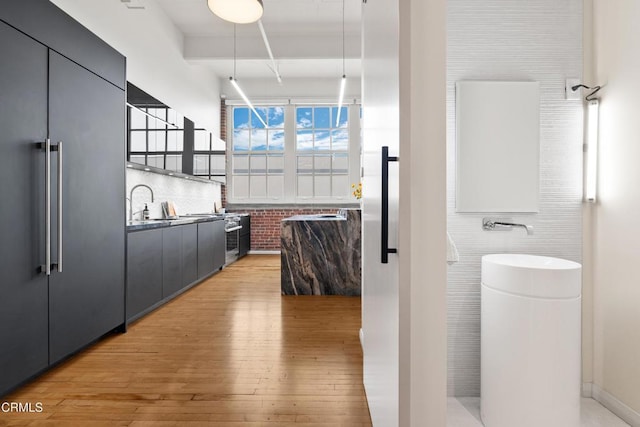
[60, 245]
[46, 268]
[386, 250]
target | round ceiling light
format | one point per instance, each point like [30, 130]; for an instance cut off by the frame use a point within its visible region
[237, 11]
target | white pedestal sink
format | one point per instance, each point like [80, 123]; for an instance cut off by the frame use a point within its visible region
[530, 339]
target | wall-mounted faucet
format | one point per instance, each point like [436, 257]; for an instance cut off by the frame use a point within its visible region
[131, 198]
[494, 224]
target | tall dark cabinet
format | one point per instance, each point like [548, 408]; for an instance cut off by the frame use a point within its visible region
[60, 82]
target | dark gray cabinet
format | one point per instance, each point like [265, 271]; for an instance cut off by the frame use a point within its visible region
[46, 23]
[244, 243]
[172, 248]
[211, 247]
[162, 262]
[23, 290]
[44, 94]
[219, 245]
[86, 116]
[189, 254]
[206, 234]
[144, 271]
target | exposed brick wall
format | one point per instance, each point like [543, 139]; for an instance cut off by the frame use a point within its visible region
[265, 225]
[223, 119]
[223, 195]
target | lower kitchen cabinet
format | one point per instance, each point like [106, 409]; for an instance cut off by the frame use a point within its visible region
[172, 248]
[244, 245]
[144, 270]
[189, 254]
[211, 247]
[179, 258]
[163, 261]
[219, 245]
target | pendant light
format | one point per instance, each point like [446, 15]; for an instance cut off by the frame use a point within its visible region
[236, 86]
[343, 81]
[237, 11]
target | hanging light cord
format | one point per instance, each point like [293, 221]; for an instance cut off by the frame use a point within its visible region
[343, 81]
[234, 51]
[343, 67]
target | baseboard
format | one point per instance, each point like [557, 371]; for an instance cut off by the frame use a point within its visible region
[361, 334]
[587, 389]
[616, 406]
[259, 252]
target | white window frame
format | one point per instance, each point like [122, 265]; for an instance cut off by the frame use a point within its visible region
[290, 157]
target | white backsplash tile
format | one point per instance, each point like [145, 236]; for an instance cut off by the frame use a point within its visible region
[189, 196]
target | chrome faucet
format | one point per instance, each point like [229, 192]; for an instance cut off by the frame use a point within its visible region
[131, 199]
[491, 224]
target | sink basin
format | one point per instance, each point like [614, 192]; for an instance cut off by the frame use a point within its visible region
[530, 341]
[532, 275]
[181, 220]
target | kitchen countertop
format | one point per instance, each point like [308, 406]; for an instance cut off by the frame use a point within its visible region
[139, 225]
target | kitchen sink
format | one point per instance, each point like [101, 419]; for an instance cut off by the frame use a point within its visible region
[145, 221]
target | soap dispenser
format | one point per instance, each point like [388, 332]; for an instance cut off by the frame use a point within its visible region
[145, 212]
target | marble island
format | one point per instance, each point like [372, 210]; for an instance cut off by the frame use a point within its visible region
[321, 254]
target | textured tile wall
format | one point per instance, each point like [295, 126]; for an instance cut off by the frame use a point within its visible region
[188, 196]
[538, 40]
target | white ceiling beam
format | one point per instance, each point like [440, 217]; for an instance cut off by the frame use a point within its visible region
[284, 47]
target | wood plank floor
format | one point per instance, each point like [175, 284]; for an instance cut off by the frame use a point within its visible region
[229, 352]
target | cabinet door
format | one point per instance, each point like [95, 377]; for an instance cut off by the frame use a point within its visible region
[206, 238]
[219, 244]
[189, 254]
[171, 260]
[244, 245]
[245, 222]
[87, 114]
[23, 290]
[144, 270]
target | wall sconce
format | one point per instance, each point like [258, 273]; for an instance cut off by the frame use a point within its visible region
[593, 110]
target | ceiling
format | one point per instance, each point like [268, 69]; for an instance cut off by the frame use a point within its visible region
[305, 37]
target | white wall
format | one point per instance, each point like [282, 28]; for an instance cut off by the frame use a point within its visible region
[616, 229]
[513, 40]
[153, 47]
[422, 224]
[189, 196]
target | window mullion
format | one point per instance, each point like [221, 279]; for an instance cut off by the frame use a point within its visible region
[290, 178]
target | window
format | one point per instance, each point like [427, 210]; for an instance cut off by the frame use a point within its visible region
[156, 137]
[305, 154]
[322, 152]
[258, 153]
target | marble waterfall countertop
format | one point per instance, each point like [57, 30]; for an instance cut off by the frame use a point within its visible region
[321, 254]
